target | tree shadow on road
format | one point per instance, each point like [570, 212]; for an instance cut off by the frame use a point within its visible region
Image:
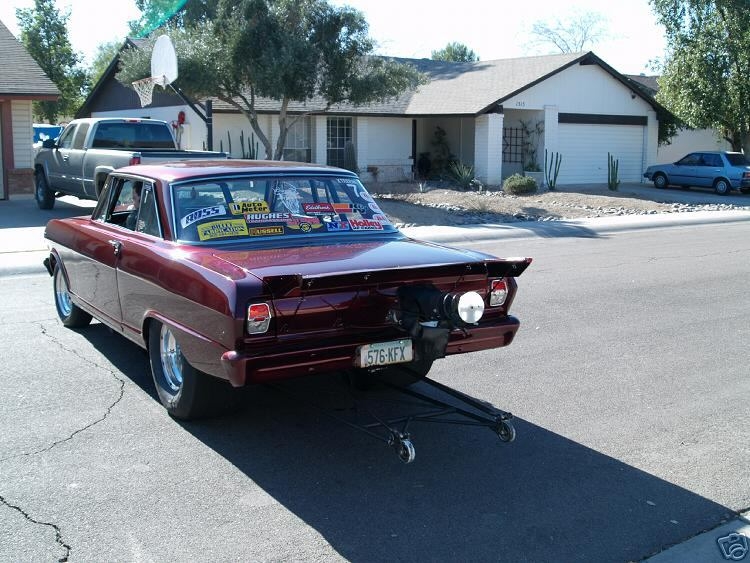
[22, 211]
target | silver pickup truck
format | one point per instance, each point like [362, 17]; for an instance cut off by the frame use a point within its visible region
[79, 160]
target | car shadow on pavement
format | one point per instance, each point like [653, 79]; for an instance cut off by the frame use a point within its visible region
[22, 211]
[467, 496]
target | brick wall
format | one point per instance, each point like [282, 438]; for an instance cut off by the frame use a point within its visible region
[20, 181]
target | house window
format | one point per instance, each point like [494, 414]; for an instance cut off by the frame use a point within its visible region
[339, 133]
[297, 146]
[513, 140]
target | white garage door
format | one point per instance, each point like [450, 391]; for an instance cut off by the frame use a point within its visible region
[584, 151]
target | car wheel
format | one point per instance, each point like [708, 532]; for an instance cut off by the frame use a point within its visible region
[70, 314]
[660, 181]
[722, 187]
[186, 393]
[45, 198]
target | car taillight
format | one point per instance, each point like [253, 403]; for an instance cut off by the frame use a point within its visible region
[498, 292]
[746, 174]
[135, 159]
[258, 318]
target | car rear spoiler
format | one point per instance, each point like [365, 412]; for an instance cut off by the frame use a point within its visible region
[284, 285]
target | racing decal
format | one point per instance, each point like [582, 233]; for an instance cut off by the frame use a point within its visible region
[337, 226]
[342, 207]
[204, 213]
[350, 181]
[267, 217]
[382, 219]
[219, 229]
[318, 208]
[375, 208]
[242, 207]
[304, 224]
[365, 225]
[266, 231]
[288, 196]
[362, 194]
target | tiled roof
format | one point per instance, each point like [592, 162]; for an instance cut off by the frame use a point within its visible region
[19, 73]
[453, 88]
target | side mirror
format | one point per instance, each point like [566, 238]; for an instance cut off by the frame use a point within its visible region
[49, 144]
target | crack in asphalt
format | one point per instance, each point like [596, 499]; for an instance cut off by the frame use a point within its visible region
[120, 395]
[55, 527]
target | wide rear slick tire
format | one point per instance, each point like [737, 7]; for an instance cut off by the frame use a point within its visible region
[186, 393]
[70, 314]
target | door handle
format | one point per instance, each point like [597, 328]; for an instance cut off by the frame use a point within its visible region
[116, 246]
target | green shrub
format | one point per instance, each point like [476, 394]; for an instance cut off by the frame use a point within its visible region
[518, 184]
[462, 173]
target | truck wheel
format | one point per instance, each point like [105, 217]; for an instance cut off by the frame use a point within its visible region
[186, 393]
[45, 198]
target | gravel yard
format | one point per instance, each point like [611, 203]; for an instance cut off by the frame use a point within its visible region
[408, 207]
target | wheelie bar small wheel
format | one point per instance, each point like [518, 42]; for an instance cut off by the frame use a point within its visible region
[505, 430]
[403, 446]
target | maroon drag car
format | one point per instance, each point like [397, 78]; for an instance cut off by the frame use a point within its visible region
[233, 273]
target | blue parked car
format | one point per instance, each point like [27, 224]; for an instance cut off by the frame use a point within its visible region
[722, 171]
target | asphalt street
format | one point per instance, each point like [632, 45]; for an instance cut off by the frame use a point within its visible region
[628, 381]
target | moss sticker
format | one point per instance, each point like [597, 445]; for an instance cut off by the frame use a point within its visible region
[220, 229]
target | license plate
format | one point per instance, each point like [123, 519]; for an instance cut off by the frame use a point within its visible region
[384, 353]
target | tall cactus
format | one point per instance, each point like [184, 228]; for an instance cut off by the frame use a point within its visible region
[613, 167]
[551, 169]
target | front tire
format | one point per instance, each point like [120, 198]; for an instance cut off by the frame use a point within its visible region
[722, 187]
[660, 181]
[186, 393]
[70, 314]
[45, 198]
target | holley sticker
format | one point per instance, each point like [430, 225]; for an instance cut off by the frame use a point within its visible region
[365, 225]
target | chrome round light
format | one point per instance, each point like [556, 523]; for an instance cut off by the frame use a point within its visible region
[470, 307]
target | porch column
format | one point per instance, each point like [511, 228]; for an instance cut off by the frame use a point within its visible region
[650, 142]
[318, 138]
[488, 148]
[361, 142]
[550, 130]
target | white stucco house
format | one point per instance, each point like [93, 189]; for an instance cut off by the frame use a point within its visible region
[582, 107]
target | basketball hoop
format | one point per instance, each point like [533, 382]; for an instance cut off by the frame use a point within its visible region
[145, 88]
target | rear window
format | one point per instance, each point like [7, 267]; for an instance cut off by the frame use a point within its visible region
[132, 135]
[271, 207]
[737, 159]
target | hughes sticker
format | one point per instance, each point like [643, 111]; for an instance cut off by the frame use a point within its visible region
[242, 207]
[219, 229]
[267, 217]
[204, 213]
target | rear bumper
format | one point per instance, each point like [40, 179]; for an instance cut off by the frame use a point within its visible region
[243, 368]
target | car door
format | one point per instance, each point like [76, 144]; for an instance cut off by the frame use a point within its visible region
[59, 172]
[75, 156]
[685, 171]
[101, 246]
[710, 168]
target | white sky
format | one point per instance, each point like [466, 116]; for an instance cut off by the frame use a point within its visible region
[494, 29]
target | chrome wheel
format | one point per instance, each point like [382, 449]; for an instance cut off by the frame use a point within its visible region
[171, 360]
[62, 297]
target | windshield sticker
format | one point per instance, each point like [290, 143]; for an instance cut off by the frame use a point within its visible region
[204, 213]
[337, 226]
[305, 225]
[318, 208]
[266, 231]
[289, 197]
[375, 208]
[242, 207]
[365, 225]
[219, 229]
[350, 181]
[362, 194]
[267, 217]
[342, 208]
[382, 219]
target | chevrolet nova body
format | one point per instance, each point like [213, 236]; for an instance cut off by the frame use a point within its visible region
[244, 272]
